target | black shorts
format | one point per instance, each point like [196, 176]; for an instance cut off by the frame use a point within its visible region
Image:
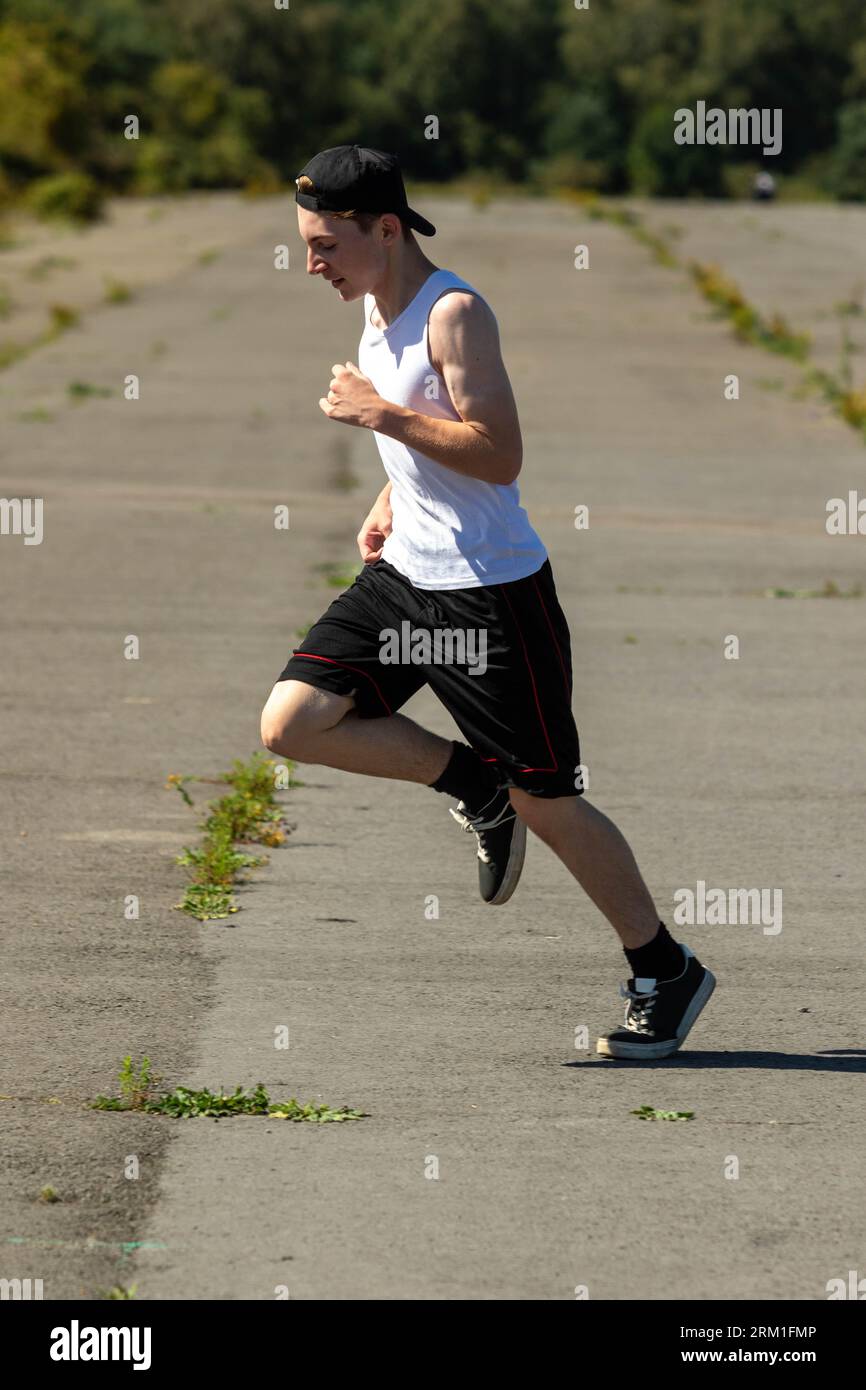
[498, 657]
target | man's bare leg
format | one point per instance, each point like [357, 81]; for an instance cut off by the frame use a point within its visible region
[392, 746]
[598, 855]
[589, 844]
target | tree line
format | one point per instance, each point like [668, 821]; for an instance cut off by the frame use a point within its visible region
[241, 93]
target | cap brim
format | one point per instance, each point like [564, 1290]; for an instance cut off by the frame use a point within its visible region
[419, 223]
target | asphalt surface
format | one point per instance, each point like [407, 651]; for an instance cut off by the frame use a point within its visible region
[457, 1034]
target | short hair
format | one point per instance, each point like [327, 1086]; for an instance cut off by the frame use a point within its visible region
[365, 220]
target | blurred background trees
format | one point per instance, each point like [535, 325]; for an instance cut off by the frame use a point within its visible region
[235, 93]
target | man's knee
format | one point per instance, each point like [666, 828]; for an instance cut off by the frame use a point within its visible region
[274, 735]
[295, 717]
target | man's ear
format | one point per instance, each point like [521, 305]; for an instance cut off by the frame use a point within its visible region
[394, 228]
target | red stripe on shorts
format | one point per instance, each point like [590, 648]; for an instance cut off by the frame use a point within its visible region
[555, 643]
[315, 657]
[555, 767]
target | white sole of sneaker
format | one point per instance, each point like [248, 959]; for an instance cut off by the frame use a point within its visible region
[514, 867]
[652, 1051]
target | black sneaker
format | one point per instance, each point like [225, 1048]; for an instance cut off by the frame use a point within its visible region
[501, 838]
[660, 1013]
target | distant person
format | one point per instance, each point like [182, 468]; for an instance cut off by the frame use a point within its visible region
[764, 186]
[447, 548]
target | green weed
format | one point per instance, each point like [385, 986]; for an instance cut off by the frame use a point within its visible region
[43, 267]
[13, 352]
[830, 590]
[336, 576]
[774, 333]
[248, 813]
[63, 316]
[116, 292]
[135, 1087]
[185, 1103]
[81, 390]
[646, 1112]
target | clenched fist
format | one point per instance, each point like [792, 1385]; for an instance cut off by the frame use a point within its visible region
[352, 398]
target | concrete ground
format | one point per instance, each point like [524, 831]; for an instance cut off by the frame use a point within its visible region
[457, 1035]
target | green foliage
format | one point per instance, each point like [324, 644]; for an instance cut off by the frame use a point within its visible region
[646, 1112]
[583, 141]
[116, 292]
[660, 167]
[241, 94]
[63, 316]
[738, 179]
[748, 324]
[847, 174]
[185, 1103]
[830, 589]
[42, 268]
[11, 353]
[135, 1087]
[248, 813]
[71, 197]
[44, 120]
[336, 576]
[82, 390]
[204, 132]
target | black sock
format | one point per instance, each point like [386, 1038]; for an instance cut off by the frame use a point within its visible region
[659, 959]
[467, 777]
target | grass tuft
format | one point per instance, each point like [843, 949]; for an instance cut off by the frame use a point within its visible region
[137, 1093]
[646, 1112]
[248, 813]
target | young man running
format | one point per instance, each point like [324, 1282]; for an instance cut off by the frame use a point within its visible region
[449, 553]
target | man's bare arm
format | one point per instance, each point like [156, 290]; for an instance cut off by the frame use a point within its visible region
[464, 348]
[485, 442]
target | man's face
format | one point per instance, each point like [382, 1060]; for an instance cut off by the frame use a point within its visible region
[338, 250]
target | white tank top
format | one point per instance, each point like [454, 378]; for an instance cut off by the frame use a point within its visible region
[449, 531]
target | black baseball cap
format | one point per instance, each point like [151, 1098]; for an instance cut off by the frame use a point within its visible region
[351, 178]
